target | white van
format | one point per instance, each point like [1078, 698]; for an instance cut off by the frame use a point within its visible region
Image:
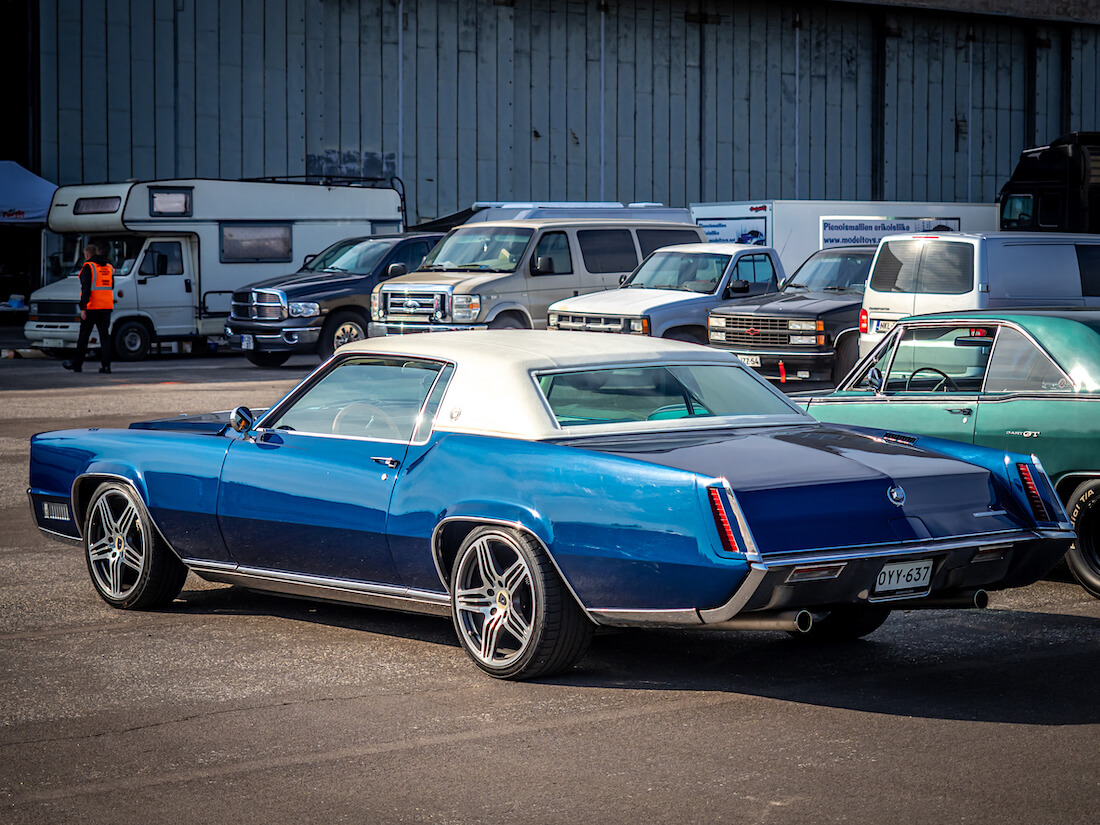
[922, 273]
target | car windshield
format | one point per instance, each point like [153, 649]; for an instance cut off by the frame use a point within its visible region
[358, 257]
[833, 271]
[627, 394]
[686, 271]
[496, 249]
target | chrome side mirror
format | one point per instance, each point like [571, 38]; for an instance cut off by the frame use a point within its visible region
[241, 419]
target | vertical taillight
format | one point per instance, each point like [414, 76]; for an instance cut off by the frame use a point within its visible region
[1038, 506]
[721, 519]
[863, 320]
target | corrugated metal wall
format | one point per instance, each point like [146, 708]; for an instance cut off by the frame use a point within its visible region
[560, 99]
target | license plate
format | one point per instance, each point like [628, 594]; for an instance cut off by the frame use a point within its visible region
[884, 326]
[246, 342]
[750, 360]
[904, 577]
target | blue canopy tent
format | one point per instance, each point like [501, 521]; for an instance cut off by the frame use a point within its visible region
[24, 204]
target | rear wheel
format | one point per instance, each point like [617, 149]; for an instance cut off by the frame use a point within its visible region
[1083, 557]
[846, 623]
[132, 341]
[130, 566]
[341, 328]
[512, 612]
[268, 359]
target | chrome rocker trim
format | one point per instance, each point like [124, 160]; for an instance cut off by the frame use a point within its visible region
[323, 588]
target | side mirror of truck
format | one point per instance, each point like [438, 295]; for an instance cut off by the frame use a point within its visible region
[737, 287]
[307, 259]
[543, 266]
[396, 269]
[622, 279]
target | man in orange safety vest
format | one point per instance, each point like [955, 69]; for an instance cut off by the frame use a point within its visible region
[97, 299]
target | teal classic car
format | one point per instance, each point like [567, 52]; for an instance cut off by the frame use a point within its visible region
[1021, 380]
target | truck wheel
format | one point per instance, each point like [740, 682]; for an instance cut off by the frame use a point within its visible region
[507, 321]
[1083, 558]
[132, 341]
[846, 355]
[268, 359]
[341, 328]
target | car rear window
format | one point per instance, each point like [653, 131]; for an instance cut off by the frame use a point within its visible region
[630, 394]
[607, 250]
[896, 267]
[651, 239]
[946, 268]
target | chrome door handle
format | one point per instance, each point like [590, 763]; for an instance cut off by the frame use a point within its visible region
[961, 411]
[386, 460]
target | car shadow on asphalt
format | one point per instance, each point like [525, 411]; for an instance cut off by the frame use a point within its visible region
[990, 666]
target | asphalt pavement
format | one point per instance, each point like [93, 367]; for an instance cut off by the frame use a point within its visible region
[231, 706]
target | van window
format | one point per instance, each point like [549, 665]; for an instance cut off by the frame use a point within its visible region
[607, 250]
[946, 269]
[1088, 260]
[555, 245]
[246, 242]
[1017, 365]
[172, 252]
[896, 268]
[1039, 273]
[650, 239]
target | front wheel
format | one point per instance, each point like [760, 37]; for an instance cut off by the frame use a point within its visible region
[846, 623]
[341, 328]
[512, 612]
[130, 566]
[131, 341]
[1083, 557]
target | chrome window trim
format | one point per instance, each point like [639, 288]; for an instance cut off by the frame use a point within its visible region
[1031, 339]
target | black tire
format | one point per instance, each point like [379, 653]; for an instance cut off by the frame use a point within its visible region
[846, 623]
[688, 335]
[131, 341]
[1083, 557]
[503, 582]
[341, 328]
[507, 321]
[846, 355]
[130, 566]
[268, 360]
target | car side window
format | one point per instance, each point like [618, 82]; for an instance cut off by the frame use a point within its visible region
[940, 359]
[411, 255]
[1017, 365]
[756, 269]
[555, 246]
[1088, 261]
[364, 397]
[607, 250]
[173, 254]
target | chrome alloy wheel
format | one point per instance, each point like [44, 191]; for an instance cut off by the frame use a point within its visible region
[117, 545]
[494, 600]
[347, 332]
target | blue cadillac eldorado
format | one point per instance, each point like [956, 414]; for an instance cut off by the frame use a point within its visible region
[535, 485]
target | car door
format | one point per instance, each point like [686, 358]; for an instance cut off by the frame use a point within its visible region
[165, 285]
[308, 492]
[564, 281]
[1029, 406]
[931, 384]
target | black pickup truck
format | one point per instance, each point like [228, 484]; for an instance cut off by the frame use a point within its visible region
[324, 304]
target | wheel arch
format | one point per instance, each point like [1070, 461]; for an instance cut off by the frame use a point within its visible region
[514, 309]
[1069, 482]
[135, 315]
[451, 531]
[697, 330]
[85, 485]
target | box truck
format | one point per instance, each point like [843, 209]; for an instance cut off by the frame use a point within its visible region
[1055, 188]
[181, 247]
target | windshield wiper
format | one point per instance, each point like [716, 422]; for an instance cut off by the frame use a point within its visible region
[791, 285]
[837, 289]
[335, 269]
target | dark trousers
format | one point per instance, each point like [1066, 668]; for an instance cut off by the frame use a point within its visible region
[101, 320]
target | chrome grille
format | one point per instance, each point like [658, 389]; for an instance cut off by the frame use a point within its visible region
[416, 305]
[591, 323]
[258, 305]
[754, 331]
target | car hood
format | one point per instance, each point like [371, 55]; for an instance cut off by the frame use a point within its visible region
[811, 486]
[308, 283]
[792, 302]
[67, 289]
[626, 301]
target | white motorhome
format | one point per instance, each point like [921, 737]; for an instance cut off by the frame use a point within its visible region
[798, 228]
[181, 247]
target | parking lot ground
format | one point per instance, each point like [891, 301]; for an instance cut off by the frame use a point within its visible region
[231, 706]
